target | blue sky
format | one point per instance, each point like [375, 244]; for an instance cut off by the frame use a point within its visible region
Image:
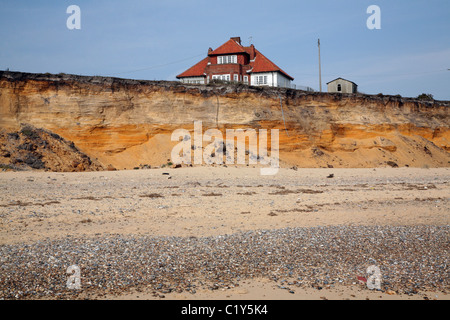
[156, 40]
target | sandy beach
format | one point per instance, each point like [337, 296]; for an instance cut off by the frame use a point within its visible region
[264, 232]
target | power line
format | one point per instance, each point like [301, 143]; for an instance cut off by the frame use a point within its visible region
[377, 75]
[402, 75]
[158, 66]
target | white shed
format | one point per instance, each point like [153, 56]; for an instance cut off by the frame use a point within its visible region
[341, 85]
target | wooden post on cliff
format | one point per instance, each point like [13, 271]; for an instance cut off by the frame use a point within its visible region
[320, 71]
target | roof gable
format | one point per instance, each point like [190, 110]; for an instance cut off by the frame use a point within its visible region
[231, 46]
[341, 79]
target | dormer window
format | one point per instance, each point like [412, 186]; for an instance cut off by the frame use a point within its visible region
[226, 59]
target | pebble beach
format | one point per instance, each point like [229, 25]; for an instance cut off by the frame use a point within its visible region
[181, 232]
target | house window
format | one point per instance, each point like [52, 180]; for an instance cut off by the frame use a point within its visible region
[226, 59]
[223, 77]
[261, 80]
[193, 81]
[246, 79]
[236, 78]
[339, 88]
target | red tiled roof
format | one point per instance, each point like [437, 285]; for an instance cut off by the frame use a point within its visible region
[260, 64]
[263, 64]
[251, 51]
[197, 70]
[231, 46]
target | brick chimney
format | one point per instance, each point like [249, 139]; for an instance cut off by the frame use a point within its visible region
[252, 52]
[237, 39]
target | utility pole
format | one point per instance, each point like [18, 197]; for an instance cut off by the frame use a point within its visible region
[320, 71]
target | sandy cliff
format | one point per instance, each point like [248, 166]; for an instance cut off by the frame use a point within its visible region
[128, 123]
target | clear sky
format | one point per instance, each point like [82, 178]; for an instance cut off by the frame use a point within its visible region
[156, 40]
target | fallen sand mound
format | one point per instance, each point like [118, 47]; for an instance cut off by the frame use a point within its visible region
[38, 149]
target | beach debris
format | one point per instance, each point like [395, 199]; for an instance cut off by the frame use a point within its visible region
[362, 280]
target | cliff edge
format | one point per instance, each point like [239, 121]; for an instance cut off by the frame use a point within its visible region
[125, 123]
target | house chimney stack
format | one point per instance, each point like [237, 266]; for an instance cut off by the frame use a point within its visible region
[237, 39]
[253, 53]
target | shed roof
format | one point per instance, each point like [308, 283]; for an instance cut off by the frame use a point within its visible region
[342, 79]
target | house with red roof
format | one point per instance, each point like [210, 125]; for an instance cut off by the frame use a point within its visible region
[235, 63]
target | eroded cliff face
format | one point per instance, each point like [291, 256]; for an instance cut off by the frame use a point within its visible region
[128, 123]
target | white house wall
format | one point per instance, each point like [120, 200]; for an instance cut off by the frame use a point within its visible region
[254, 77]
[197, 80]
[283, 81]
[274, 79]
